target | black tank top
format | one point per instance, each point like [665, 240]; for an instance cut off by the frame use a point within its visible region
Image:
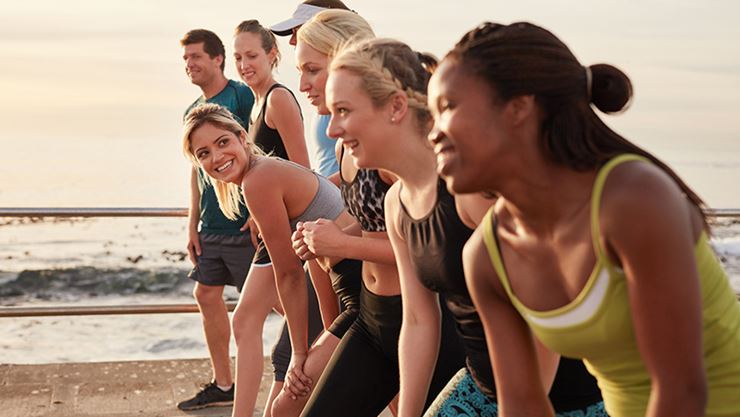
[435, 243]
[267, 138]
[364, 197]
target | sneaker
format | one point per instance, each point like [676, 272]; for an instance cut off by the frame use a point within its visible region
[210, 396]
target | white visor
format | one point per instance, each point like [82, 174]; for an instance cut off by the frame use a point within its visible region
[302, 14]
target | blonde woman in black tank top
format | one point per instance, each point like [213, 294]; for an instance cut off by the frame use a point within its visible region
[363, 374]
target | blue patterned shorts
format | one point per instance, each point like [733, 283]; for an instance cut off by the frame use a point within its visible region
[461, 397]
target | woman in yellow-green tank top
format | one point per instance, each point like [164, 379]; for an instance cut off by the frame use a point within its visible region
[594, 246]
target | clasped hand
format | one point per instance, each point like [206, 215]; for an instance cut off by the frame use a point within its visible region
[297, 384]
[317, 238]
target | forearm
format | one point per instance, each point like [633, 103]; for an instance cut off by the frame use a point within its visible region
[328, 305]
[291, 286]
[194, 209]
[377, 250]
[417, 349]
[677, 399]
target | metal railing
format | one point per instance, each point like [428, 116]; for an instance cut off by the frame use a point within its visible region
[93, 212]
[180, 212]
[35, 212]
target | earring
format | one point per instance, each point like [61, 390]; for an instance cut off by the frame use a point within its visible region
[393, 119]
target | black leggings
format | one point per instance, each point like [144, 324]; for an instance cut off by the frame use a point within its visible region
[362, 376]
[346, 280]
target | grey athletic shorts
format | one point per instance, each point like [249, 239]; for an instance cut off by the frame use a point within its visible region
[224, 260]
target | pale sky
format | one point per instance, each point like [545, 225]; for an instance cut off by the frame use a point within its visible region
[94, 90]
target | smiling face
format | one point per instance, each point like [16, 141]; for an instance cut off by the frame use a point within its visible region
[252, 62]
[355, 120]
[221, 153]
[312, 65]
[199, 66]
[469, 134]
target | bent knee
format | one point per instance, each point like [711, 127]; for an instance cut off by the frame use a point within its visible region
[284, 406]
[245, 323]
[208, 294]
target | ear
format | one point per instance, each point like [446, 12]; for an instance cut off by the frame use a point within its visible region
[219, 60]
[272, 56]
[244, 138]
[522, 108]
[398, 106]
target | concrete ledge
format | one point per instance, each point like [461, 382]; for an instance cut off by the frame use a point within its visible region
[110, 389]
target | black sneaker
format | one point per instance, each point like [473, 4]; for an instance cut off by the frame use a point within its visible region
[210, 396]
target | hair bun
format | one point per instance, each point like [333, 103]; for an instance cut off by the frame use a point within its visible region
[428, 61]
[611, 89]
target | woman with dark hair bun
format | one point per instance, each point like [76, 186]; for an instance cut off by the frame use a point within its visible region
[594, 245]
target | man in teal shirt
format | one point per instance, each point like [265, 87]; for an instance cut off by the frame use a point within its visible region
[221, 251]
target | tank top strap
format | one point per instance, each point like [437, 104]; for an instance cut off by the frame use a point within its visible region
[598, 188]
[270, 90]
[491, 242]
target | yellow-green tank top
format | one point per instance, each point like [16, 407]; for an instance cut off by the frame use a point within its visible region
[597, 325]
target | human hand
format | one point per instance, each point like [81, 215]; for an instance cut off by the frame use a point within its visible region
[193, 246]
[297, 383]
[324, 238]
[299, 246]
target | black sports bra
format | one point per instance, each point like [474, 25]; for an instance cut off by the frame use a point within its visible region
[364, 197]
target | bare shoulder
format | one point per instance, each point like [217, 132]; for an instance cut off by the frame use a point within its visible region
[263, 176]
[391, 199]
[281, 98]
[635, 190]
[472, 208]
[642, 204]
[392, 206]
[480, 275]
[387, 177]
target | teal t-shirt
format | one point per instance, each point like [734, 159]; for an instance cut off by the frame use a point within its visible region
[238, 98]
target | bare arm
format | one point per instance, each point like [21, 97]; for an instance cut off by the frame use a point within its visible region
[328, 304]
[421, 322]
[265, 201]
[194, 217]
[519, 386]
[647, 223]
[324, 238]
[285, 115]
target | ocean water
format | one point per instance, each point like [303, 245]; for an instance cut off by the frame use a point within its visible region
[128, 261]
[111, 261]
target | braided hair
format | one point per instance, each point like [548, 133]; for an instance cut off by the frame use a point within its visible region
[387, 67]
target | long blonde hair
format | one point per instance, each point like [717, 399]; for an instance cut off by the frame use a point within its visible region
[229, 195]
[328, 30]
[387, 66]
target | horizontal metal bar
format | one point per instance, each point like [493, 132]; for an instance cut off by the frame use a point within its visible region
[93, 212]
[101, 310]
[178, 212]
[728, 212]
